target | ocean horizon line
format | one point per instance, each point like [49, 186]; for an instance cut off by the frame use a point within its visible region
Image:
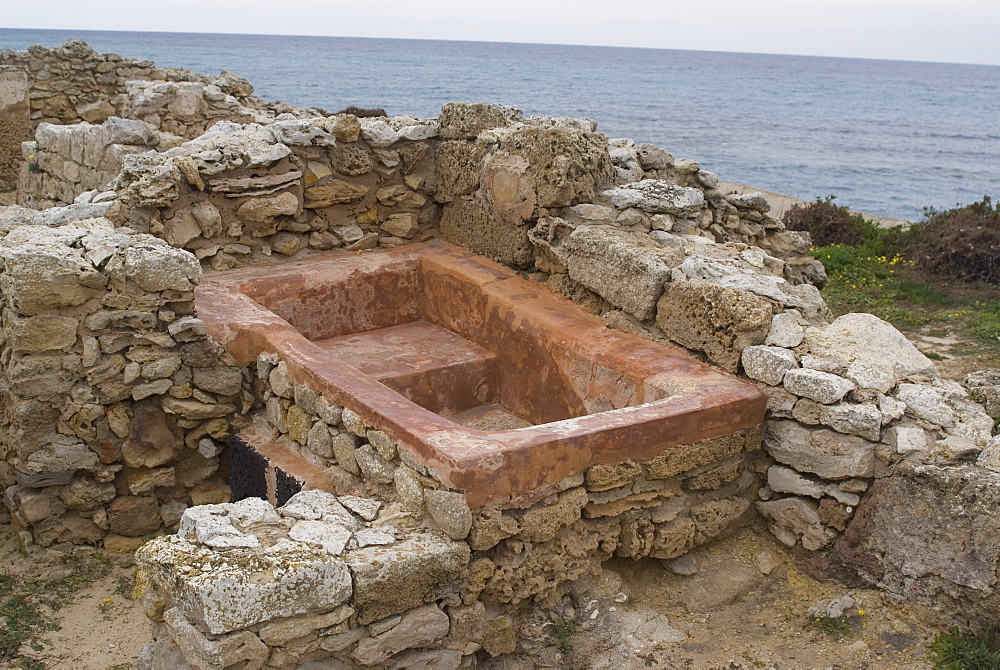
[512, 43]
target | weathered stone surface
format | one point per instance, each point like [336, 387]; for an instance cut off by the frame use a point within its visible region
[334, 192]
[44, 275]
[823, 452]
[315, 504]
[489, 526]
[785, 330]
[989, 458]
[215, 653]
[211, 526]
[626, 269]
[156, 266]
[657, 197]
[468, 223]
[768, 364]
[461, 120]
[930, 533]
[41, 333]
[225, 591]
[853, 419]
[542, 523]
[567, 165]
[786, 480]
[508, 187]
[605, 477]
[417, 628]
[796, 519]
[822, 387]
[330, 537]
[947, 404]
[984, 386]
[279, 633]
[450, 511]
[265, 209]
[134, 516]
[877, 355]
[405, 575]
[716, 320]
[373, 465]
[682, 458]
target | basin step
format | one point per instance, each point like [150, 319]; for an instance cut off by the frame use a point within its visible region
[491, 417]
[432, 366]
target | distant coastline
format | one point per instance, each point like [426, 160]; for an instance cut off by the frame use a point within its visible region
[887, 138]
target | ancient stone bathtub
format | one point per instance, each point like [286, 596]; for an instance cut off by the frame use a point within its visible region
[492, 382]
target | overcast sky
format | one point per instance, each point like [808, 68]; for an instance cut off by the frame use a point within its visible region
[962, 31]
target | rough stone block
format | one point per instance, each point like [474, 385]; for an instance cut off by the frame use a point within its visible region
[225, 591]
[417, 628]
[768, 364]
[469, 224]
[716, 320]
[823, 452]
[822, 387]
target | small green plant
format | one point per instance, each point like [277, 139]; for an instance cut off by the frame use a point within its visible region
[563, 631]
[956, 650]
[33, 160]
[835, 627]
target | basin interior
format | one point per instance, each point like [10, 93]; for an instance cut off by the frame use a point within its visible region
[459, 336]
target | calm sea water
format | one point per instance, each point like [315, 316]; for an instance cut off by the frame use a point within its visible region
[886, 137]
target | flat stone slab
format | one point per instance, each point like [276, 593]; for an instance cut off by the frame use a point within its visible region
[225, 591]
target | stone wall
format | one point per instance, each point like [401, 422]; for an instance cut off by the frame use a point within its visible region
[15, 124]
[115, 404]
[65, 162]
[74, 84]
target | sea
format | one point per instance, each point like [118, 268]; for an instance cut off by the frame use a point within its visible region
[889, 138]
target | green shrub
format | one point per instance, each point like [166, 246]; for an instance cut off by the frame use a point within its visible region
[828, 224]
[967, 651]
[963, 243]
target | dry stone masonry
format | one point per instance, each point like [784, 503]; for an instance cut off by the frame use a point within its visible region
[117, 409]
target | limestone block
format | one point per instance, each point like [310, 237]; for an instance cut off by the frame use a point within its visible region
[947, 404]
[796, 519]
[878, 355]
[626, 269]
[489, 526]
[567, 165]
[754, 201]
[405, 575]
[713, 517]
[508, 187]
[211, 526]
[377, 132]
[279, 633]
[221, 592]
[344, 449]
[682, 458]
[768, 364]
[457, 166]
[330, 537]
[461, 120]
[344, 127]
[134, 516]
[930, 534]
[450, 510]
[436, 659]
[156, 266]
[302, 133]
[716, 320]
[334, 192]
[298, 423]
[214, 654]
[417, 628]
[989, 458]
[143, 481]
[823, 452]
[657, 197]
[787, 480]
[984, 386]
[196, 410]
[401, 225]
[854, 419]
[786, 330]
[822, 387]
[45, 275]
[224, 381]
[469, 224]
[265, 209]
[366, 508]
[316, 504]
[605, 477]
[41, 333]
[373, 466]
[542, 523]
[59, 456]
[85, 493]
[652, 157]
